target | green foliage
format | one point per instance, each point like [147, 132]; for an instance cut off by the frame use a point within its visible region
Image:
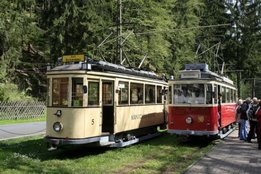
[166, 32]
[20, 36]
[244, 46]
[212, 37]
[187, 15]
[10, 92]
[75, 26]
[246, 89]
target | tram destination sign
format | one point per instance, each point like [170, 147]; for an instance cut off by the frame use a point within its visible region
[73, 58]
[190, 74]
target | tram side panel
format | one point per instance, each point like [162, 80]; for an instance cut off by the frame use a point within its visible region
[134, 117]
[77, 122]
[228, 112]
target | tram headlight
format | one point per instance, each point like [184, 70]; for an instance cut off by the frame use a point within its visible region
[188, 120]
[57, 127]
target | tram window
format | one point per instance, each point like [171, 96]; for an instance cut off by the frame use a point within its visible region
[123, 92]
[93, 93]
[189, 93]
[159, 95]
[149, 94]
[215, 94]
[107, 93]
[227, 95]
[223, 93]
[60, 92]
[170, 95]
[77, 92]
[209, 94]
[136, 93]
[234, 96]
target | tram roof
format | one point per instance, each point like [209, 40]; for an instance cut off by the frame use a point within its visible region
[200, 71]
[101, 66]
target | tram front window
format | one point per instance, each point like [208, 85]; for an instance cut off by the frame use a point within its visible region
[77, 92]
[60, 92]
[189, 94]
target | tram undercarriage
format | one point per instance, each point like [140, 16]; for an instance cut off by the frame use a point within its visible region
[122, 139]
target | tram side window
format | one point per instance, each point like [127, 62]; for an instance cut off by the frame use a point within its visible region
[60, 92]
[234, 96]
[209, 94]
[77, 92]
[123, 92]
[159, 96]
[136, 93]
[93, 93]
[149, 94]
[170, 94]
[215, 94]
[223, 93]
[228, 95]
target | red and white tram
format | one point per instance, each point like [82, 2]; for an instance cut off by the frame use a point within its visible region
[201, 103]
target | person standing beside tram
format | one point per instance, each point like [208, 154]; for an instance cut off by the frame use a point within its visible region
[252, 119]
[243, 119]
[238, 113]
[258, 127]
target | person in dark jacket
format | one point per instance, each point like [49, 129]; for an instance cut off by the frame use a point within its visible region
[252, 119]
[258, 117]
[244, 120]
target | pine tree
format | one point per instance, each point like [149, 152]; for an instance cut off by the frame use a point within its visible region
[244, 46]
[187, 15]
[212, 38]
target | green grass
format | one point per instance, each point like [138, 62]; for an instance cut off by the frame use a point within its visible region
[2, 122]
[168, 153]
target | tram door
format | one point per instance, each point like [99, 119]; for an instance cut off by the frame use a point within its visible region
[220, 97]
[107, 106]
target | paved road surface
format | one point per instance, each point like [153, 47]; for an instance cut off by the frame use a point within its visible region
[21, 130]
[230, 156]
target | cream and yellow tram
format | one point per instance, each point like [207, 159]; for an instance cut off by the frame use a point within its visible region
[102, 103]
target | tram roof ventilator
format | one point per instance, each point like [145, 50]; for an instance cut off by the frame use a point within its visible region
[201, 71]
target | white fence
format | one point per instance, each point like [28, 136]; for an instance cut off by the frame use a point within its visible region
[22, 110]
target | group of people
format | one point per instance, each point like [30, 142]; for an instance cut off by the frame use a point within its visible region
[248, 112]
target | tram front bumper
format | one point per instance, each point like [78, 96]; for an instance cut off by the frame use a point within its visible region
[68, 141]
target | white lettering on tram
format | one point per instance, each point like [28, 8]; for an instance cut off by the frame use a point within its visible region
[140, 116]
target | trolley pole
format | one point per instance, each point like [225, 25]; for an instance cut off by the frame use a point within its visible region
[238, 84]
[119, 32]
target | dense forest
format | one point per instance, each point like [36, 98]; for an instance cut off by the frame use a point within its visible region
[169, 33]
